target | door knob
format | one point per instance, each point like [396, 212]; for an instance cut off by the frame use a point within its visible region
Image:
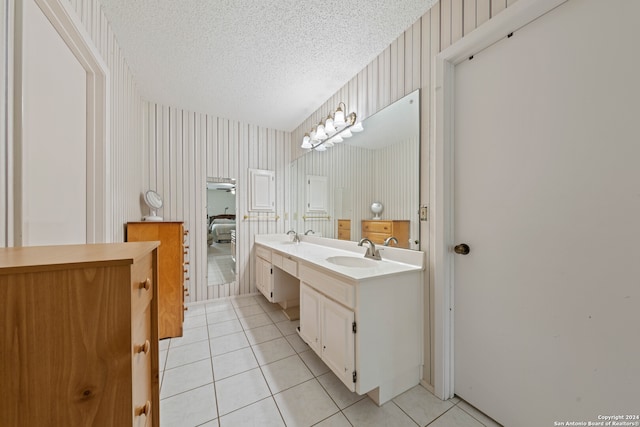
[462, 249]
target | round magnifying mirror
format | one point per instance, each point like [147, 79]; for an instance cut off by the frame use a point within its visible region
[154, 201]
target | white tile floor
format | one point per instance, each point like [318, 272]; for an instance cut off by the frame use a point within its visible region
[241, 363]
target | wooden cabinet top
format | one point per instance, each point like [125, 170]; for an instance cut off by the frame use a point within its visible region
[43, 258]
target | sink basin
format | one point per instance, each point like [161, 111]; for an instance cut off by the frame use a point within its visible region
[351, 261]
[287, 243]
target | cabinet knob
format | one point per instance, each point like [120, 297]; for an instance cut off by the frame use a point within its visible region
[185, 263]
[144, 410]
[146, 285]
[185, 308]
[144, 348]
[186, 271]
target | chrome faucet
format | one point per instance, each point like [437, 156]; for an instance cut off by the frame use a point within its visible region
[296, 238]
[390, 239]
[308, 231]
[372, 252]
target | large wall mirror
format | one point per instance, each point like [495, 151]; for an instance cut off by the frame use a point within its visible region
[332, 191]
[221, 220]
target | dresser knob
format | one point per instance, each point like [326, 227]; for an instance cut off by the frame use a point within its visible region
[185, 308]
[144, 348]
[144, 410]
[146, 285]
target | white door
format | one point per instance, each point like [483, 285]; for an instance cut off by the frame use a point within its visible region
[547, 196]
[338, 341]
[310, 317]
[54, 141]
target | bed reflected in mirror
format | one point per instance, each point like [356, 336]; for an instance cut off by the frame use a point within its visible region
[221, 227]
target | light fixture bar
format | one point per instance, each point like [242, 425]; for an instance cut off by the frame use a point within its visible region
[332, 130]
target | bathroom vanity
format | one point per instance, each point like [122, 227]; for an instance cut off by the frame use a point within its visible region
[362, 317]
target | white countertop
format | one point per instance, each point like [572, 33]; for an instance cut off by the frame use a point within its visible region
[316, 251]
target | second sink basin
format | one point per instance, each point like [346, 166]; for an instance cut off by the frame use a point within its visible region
[351, 261]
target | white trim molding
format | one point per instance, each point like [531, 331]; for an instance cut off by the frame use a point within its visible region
[441, 170]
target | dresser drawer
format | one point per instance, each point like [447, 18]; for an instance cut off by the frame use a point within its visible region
[142, 350]
[377, 226]
[344, 224]
[344, 234]
[142, 284]
[377, 238]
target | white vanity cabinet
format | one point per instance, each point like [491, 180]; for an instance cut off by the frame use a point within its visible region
[365, 323]
[275, 276]
[328, 328]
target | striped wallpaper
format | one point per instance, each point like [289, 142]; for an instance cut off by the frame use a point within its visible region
[183, 149]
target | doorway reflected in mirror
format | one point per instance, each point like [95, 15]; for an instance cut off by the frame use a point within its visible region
[221, 224]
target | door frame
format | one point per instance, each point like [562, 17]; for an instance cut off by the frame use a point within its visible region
[67, 23]
[441, 173]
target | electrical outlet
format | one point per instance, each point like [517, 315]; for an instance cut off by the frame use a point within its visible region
[424, 212]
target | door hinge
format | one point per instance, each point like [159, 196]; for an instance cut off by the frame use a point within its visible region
[354, 376]
[271, 294]
[271, 271]
[353, 327]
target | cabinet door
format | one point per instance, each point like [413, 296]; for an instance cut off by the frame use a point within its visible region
[262, 189]
[317, 194]
[264, 279]
[310, 301]
[338, 344]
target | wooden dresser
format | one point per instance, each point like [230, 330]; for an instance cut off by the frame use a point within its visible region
[172, 268]
[344, 229]
[78, 335]
[378, 230]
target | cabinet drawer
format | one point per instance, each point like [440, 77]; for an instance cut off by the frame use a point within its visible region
[377, 226]
[330, 286]
[290, 266]
[377, 238]
[344, 224]
[142, 350]
[276, 260]
[263, 253]
[142, 284]
[344, 234]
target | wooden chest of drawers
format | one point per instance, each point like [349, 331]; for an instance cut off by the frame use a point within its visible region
[379, 230]
[344, 229]
[78, 333]
[171, 270]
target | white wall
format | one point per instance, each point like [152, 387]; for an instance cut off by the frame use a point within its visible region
[218, 200]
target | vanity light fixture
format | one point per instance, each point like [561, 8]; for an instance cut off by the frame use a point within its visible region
[332, 130]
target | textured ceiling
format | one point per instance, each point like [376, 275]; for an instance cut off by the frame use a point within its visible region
[265, 62]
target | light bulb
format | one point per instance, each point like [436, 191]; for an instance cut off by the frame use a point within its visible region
[306, 141]
[328, 126]
[357, 127]
[338, 119]
[320, 133]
